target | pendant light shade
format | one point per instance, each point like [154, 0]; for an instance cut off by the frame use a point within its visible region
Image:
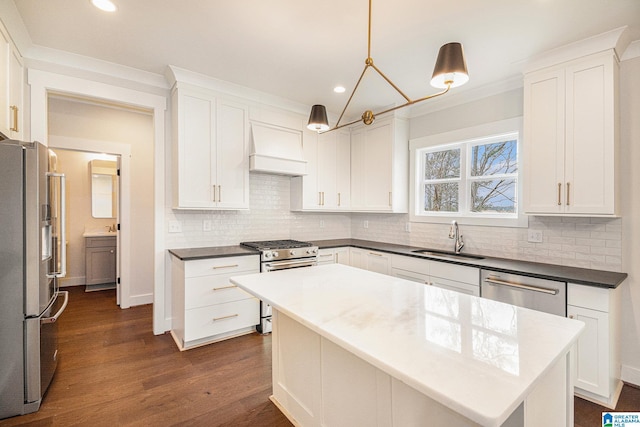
[451, 67]
[318, 119]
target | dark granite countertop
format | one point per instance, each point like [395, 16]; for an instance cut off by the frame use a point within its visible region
[191, 254]
[583, 276]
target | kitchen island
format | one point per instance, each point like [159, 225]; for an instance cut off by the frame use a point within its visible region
[353, 347]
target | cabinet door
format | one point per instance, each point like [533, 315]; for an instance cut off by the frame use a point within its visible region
[327, 172]
[592, 350]
[378, 262]
[343, 170]
[342, 256]
[232, 155]
[16, 90]
[376, 168]
[5, 111]
[358, 258]
[543, 153]
[100, 265]
[590, 137]
[196, 151]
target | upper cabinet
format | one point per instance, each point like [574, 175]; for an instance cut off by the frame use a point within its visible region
[571, 138]
[380, 166]
[210, 150]
[11, 87]
[327, 184]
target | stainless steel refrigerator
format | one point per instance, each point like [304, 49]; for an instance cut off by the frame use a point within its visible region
[32, 259]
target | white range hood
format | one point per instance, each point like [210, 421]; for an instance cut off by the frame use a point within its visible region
[276, 150]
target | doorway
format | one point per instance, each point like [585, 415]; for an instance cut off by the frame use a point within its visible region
[93, 213]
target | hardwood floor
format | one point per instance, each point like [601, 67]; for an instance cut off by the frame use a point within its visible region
[113, 371]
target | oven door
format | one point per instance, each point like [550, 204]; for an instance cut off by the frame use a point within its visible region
[287, 264]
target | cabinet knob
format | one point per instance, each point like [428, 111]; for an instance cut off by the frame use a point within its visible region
[571, 316]
[111, 251]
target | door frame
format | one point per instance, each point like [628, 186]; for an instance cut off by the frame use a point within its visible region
[124, 202]
[42, 83]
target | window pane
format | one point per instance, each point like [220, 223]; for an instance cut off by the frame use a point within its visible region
[442, 164]
[496, 158]
[441, 197]
[498, 195]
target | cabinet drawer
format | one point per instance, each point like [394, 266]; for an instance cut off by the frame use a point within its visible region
[100, 242]
[217, 319]
[458, 273]
[410, 264]
[209, 266]
[410, 275]
[588, 297]
[208, 290]
[452, 285]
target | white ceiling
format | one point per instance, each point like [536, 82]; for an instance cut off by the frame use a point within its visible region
[301, 49]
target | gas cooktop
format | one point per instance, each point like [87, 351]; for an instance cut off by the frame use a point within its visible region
[276, 244]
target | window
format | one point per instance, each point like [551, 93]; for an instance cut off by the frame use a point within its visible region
[470, 175]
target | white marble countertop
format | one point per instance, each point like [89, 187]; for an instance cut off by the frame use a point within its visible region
[479, 357]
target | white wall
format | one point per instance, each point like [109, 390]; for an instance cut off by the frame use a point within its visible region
[69, 118]
[75, 166]
[630, 147]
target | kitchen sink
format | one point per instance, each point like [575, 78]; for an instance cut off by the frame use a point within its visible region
[446, 254]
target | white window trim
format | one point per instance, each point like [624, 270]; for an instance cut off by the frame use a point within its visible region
[459, 136]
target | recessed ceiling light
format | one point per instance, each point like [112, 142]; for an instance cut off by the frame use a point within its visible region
[106, 5]
[339, 89]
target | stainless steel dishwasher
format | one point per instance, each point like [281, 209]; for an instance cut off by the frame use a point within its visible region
[531, 292]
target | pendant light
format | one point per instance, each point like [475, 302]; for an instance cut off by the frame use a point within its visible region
[450, 71]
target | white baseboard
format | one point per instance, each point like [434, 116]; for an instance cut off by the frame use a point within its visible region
[141, 299]
[630, 375]
[73, 281]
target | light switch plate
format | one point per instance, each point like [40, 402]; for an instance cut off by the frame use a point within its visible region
[534, 236]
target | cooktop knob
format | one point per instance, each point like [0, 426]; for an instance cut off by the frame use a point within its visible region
[292, 252]
[275, 254]
[312, 251]
[268, 254]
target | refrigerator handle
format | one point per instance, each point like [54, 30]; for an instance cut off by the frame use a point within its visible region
[63, 227]
[54, 318]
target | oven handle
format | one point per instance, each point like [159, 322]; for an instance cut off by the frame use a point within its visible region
[285, 265]
[493, 281]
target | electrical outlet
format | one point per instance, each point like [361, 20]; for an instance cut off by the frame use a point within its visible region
[322, 223]
[407, 227]
[534, 236]
[206, 225]
[175, 227]
[365, 224]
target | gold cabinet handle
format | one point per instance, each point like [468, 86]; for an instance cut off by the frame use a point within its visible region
[214, 193]
[224, 287]
[225, 266]
[219, 193]
[559, 194]
[323, 198]
[568, 192]
[373, 253]
[390, 203]
[14, 110]
[338, 199]
[215, 319]
[319, 198]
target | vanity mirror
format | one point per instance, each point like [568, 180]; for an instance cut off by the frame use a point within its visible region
[104, 188]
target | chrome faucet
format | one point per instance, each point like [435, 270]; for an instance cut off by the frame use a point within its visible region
[454, 233]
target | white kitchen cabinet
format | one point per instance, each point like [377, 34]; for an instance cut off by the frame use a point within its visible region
[206, 307]
[211, 157]
[571, 138]
[454, 277]
[597, 353]
[11, 88]
[366, 259]
[327, 184]
[379, 166]
[333, 256]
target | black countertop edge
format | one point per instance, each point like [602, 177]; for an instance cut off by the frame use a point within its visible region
[582, 276]
[190, 254]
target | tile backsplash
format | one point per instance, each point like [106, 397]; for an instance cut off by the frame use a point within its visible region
[579, 242]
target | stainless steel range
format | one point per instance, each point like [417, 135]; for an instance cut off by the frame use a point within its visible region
[281, 255]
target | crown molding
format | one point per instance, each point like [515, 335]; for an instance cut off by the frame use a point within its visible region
[633, 51]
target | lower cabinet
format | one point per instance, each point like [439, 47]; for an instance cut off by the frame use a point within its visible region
[334, 256]
[367, 259]
[459, 278]
[100, 260]
[597, 355]
[206, 307]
